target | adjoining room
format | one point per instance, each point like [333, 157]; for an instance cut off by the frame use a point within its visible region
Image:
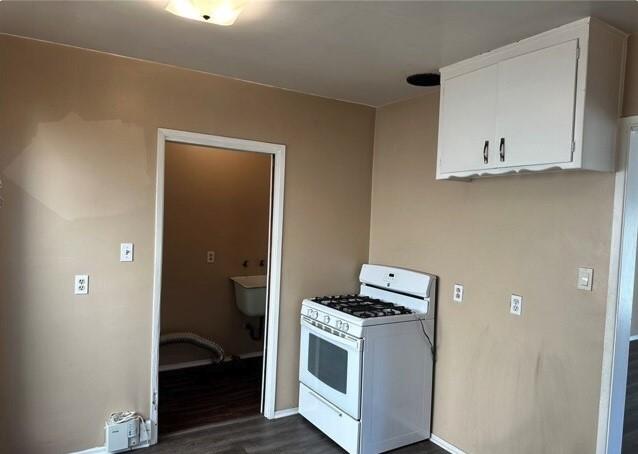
[214, 285]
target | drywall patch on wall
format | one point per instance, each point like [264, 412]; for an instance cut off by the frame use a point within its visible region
[216, 200]
[82, 169]
[504, 384]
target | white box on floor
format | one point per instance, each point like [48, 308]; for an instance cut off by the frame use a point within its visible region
[127, 435]
[117, 436]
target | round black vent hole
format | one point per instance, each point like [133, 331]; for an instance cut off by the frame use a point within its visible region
[424, 79]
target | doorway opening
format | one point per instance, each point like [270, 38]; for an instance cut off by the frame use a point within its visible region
[216, 287]
[628, 293]
[618, 411]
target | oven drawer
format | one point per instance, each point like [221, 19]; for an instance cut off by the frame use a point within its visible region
[338, 425]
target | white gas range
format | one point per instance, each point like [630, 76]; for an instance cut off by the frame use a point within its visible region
[366, 361]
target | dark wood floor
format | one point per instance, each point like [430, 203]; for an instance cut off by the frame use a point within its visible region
[206, 395]
[187, 396]
[257, 435]
[215, 410]
[630, 429]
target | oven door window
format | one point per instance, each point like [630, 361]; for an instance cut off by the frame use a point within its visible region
[328, 362]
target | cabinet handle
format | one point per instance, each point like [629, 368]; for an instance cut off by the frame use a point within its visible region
[485, 151]
[501, 149]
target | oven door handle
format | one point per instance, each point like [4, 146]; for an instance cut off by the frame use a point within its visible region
[347, 342]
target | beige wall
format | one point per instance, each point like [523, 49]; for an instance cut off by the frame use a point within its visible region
[77, 158]
[504, 384]
[215, 200]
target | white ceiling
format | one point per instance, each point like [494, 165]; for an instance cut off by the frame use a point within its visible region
[356, 51]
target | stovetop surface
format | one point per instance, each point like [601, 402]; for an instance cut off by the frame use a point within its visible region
[361, 306]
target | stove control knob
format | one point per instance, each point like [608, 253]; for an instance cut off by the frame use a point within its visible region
[345, 326]
[339, 324]
[314, 314]
[326, 319]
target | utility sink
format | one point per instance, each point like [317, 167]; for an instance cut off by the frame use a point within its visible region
[250, 294]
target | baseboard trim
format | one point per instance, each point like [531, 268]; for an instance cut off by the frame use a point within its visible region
[185, 365]
[633, 338]
[251, 355]
[102, 449]
[205, 362]
[286, 412]
[97, 450]
[449, 447]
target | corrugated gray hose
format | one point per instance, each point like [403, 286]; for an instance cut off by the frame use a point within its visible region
[194, 339]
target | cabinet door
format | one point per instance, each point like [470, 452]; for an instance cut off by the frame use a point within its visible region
[468, 118]
[536, 100]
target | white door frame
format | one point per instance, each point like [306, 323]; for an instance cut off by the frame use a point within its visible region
[275, 253]
[620, 291]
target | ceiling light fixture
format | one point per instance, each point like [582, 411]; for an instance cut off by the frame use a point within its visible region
[220, 12]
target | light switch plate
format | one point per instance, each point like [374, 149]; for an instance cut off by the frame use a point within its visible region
[516, 304]
[585, 279]
[126, 252]
[210, 257]
[458, 293]
[81, 284]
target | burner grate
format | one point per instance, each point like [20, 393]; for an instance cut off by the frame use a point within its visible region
[361, 306]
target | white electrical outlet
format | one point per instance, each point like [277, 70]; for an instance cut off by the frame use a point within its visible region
[585, 279]
[210, 257]
[458, 293]
[516, 304]
[126, 252]
[81, 284]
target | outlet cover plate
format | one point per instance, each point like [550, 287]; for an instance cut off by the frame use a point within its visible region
[458, 293]
[126, 252]
[81, 284]
[210, 256]
[516, 304]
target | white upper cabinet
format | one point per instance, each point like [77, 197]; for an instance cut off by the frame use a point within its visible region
[550, 102]
[535, 115]
[472, 98]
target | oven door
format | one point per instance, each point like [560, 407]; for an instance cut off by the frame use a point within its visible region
[330, 365]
